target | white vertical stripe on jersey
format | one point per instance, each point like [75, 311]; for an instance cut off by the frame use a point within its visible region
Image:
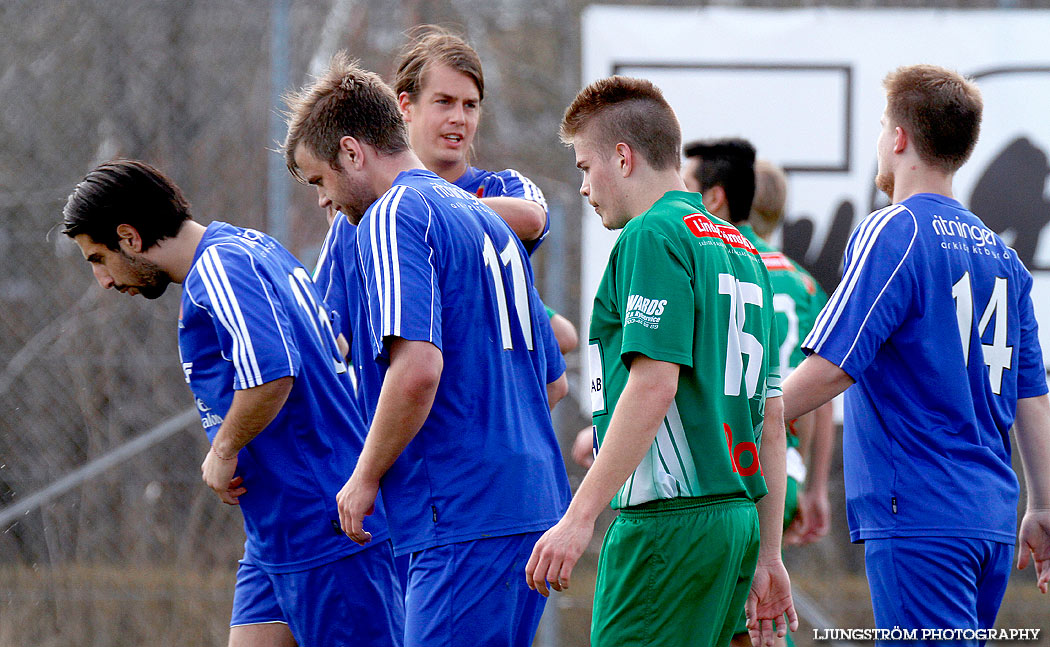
[225, 302]
[668, 463]
[277, 319]
[374, 226]
[384, 254]
[532, 192]
[856, 241]
[394, 263]
[867, 316]
[364, 285]
[330, 239]
[237, 353]
[430, 262]
[526, 189]
[833, 310]
[674, 422]
[325, 246]
[238, 316]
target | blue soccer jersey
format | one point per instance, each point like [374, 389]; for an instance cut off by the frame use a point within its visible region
[510, 184]
[933, 320]
[338, 278]
[249, 315]
[439, 266]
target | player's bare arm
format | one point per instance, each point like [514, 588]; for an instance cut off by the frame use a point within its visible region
[814, 382]
[527, 218]
[817, 438]
[583, 447]
[1032, 431]
[650, 389]
[770, 597]
[815, 432]
[557, 390]
[802, 428]
[252, 410]
[565, 333]
[404, 404]
[817, 515]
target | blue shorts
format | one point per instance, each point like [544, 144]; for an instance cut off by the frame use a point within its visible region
[353, 600]
[936, 582]
[472, 593]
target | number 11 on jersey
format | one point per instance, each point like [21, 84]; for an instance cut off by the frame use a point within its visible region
[511, 257]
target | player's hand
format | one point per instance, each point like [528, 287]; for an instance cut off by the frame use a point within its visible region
[812, 521]
[1033, 541]
[217, 473]
[793, 533]
[356, 500]
[768, 602]
[583, 448]
[556, 553]
[816, 521]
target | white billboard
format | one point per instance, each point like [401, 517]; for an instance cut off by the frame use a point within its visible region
[805, 86]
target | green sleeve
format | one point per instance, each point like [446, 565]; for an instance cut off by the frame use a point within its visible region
[654, 288]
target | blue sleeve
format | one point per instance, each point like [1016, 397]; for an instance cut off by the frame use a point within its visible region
[330, 276]
[554, 360]
[253, 328]
[874, 295]
[1031, 375]
[396, 256]
[512, 184]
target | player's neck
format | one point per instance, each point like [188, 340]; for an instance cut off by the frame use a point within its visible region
[447, 171]
[921, 179]
[648, 186]
[388, 167]
[175, 255]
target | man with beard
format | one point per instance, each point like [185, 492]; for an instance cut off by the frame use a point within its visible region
[275, 399]
[933, 327]
[461, 437]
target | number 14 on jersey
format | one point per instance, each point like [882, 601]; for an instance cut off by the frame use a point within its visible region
[997, 355]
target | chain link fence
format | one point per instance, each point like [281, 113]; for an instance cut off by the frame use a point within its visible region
[107, 535]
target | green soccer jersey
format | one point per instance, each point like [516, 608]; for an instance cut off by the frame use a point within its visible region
[797, 300]
[683, 286]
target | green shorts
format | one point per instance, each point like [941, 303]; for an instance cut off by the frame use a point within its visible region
[675, 572]
[790, 501]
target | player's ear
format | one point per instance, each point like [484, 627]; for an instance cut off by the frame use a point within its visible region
[714, 198]
[624, 158]
[404, 103]
[900, 140]
[129, 238]
[351, 151]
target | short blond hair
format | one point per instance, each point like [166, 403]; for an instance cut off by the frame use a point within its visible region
[346, 100]
[939, 108]
[767, 209]
[629, 110]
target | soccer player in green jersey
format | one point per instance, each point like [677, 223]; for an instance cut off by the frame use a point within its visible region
[685, 393]
[727, 174]
[723, 171]
[813, 520]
